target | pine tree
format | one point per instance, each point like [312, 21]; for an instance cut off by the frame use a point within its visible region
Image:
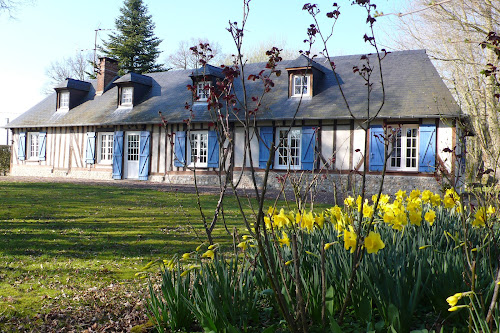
[134, 45]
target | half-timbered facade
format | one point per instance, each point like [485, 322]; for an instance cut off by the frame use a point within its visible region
[110, 128]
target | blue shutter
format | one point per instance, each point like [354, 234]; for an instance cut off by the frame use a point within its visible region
[42, 136]
[89, 153]
[307, 147]
[266, 139]
[213, 150]
[376, 148]
[117, 154]
[427, 151]
[21, 148]
[144, 156]
[180, 149]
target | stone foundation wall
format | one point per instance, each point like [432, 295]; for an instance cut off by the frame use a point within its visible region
[335, 185]
[42, 171]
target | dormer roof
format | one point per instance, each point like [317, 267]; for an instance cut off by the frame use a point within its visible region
[73, 84]
[134, 78]
[208, 70]
[304, 62]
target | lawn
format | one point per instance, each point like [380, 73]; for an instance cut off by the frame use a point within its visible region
[69, 252]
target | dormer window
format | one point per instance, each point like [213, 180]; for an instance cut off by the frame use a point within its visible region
[127, 94]
[203, 90]
[63, 102]
[301, 85]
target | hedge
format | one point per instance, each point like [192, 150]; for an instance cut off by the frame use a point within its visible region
[4, 159]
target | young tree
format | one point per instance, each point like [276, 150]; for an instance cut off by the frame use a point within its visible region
[78, 67]
[460, 61]
[183, 57]
[134, 45]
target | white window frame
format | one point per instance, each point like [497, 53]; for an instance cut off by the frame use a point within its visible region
[202, 94]
[108, 157]
[201, 158]
[405, 151]
[127, 96]
[284, 149]
[63, 103]
[305, 82]
[32, 146]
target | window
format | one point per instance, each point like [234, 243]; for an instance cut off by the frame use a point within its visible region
[289, 143]
[126, 97]
[300, 85]
[133, 147]
[404, 156]
[33, 148]
[63, 100]
[105, 148]
[202, 90]
[198, 149]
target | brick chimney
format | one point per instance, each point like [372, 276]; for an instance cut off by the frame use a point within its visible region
[108, 70]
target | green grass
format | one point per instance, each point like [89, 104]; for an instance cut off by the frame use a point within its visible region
[58, 241]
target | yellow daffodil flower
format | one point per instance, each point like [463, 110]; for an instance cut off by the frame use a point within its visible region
[367, 210]
[243, 245]
[373, 243]
[415, 217]
[490, 210]
[208, 254]
[349, 201]
[430, 216]
[284, 240]
[427, 196]
[350, 239]
[186, 256]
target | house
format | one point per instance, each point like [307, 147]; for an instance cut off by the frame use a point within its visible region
[110, 128]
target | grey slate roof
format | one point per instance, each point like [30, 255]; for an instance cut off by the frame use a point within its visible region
[207, 71]
[412, 85]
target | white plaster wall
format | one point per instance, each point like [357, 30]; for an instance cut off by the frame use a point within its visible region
[358, 143]
[445, 140]
[343, 147]
[327, 138]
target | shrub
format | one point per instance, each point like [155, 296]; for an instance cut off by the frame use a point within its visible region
[4, 159]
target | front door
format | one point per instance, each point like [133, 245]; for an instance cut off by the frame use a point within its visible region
[131, 154]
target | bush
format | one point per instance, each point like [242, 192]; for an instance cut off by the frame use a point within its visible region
[4, 159]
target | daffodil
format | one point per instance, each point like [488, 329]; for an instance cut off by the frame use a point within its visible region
[320, 220]
[186, 256]
[208, 254]
[490, 210]
[453, 300]
[435, 200]
[243, 245]
[213, 246]
[281, 220]
[373, 243]
[427, 196]
[415, 217]
[328, 245]
[430, 216]
[400, 195]
[350, 239]
[367, 210]
[479, 218]
[414, 194]
[199, 247]
[336, 212]
[455, 308]
[288, 262]
[349, 201]
[284, 240]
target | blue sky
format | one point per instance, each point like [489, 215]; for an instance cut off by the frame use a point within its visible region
[44, 31]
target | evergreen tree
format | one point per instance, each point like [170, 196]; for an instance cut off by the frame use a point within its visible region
[134, 45]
